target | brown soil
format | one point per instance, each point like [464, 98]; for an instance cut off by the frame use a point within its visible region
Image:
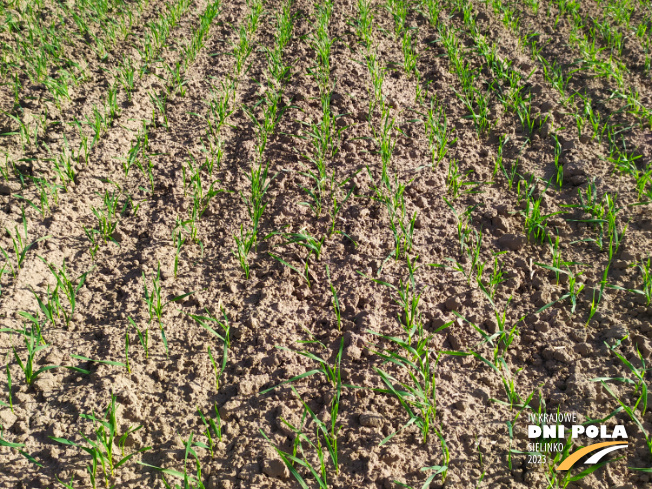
[554, 353]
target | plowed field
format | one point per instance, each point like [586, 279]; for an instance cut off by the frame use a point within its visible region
[340, 244]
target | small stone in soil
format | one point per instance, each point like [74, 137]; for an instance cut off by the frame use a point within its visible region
[371, 420]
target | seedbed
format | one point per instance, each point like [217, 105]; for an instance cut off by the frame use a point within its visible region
[322, 244]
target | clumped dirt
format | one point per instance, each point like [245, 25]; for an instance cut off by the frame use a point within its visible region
[554, 352]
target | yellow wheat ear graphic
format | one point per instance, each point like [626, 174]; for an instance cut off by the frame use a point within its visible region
[612, 445]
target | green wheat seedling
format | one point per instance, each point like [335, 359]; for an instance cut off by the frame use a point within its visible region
[510, 428]
[33, 339]
[511, 175]
[137, 149]
[243, 245]
[143, 336]
[127, 364]
[325, 138]
[437, 131]
[497, 277]
[2, 272]
[514, 399]
[320, 473]
[406, 296]
[637, 379]
[557, 262]
[558, 165]
[535, 221]
[504, 336]
[111, 107]
[624, 160]
[417, 397]
[398, 10]
[51, 306]
[159, 102]
[574, 287]
[64, 166]
[337, 203]
[601, 209]
[99, 47]
[321, 43]
[390, 192]
[84, 146]
[410, 56]
[644, 183]
[155, 303]
[189, 481]
[19, 243]
[486, 338]
[215, 427]
[17, 446]
[309, 242]
[158, 31]
[438, 469]
[364, 23]
[528, 121]
[214, 155]
[217, 370]
[224, 337]
[385, 138]
[23, 131]
[103, 448]
[282, 37]
[456, 181]
[640, 389]
[303, 273]
[256, 9]
[463, 227]
[201, 194]
[34, 322]
[69, 287]
[332, 374]
[377, 73]
[477, 265]
[271, 115]
[259, 180]
[484, 471]
[8, 167]
[45, 190]
[241, 51]
[178, 241]
[478, 107]
[107, 216]
[323, 135]
[97, 124]
[198, 38]
[329, 432]
[94, 242]
[420, 89]
[125, 75]
[615, 239]
[317, 198]
[221, 106]
[646, 279]
[470, 246]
